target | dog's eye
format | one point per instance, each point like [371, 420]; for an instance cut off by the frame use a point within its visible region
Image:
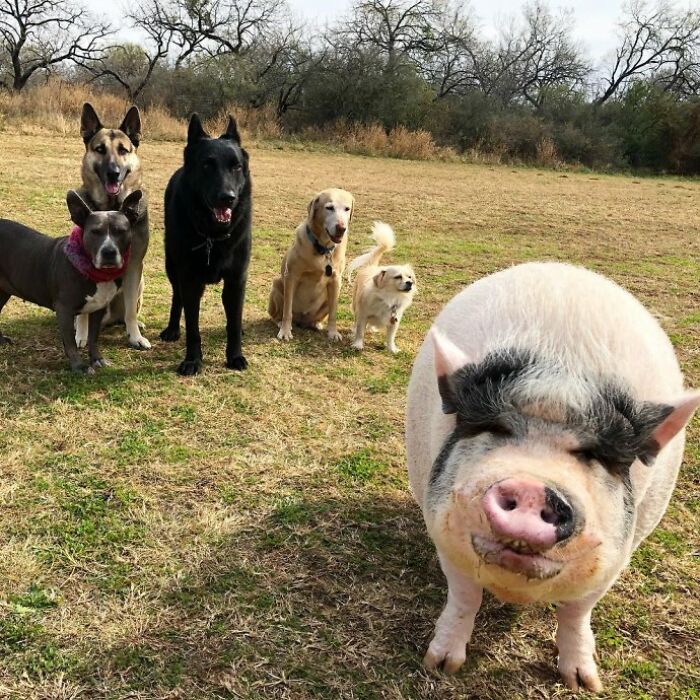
[347, 208]
[329, 207]
[122, 150]
[236, 166]
[397, 277]
[101, 149]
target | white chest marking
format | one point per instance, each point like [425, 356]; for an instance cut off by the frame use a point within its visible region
[104, 294]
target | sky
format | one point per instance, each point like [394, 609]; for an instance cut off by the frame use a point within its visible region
[594, 21]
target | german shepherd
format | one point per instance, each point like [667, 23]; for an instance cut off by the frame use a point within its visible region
[111, 171]
[208, 238]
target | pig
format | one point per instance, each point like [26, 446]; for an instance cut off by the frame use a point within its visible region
[545, 429]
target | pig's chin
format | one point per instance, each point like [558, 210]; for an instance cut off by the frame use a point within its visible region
[516, 558]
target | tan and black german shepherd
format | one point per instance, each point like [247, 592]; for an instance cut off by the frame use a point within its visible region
[111, 171]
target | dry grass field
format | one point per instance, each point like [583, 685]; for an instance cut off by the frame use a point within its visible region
[252, 535]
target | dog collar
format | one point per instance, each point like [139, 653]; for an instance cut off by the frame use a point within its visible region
[78, 257]
[321, 250]
[209, 243]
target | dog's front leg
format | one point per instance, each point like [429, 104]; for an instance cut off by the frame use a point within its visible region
[66, 328]
[391, 331]
[360, 327]
[81, 330]
[232, 298]
[131, 289]
[191, 295]
[290, 282]
[94, 326]
[333, 294]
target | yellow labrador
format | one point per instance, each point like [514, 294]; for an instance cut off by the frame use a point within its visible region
[309, 285]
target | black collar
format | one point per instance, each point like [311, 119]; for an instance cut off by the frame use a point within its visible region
[320, 250]
[209, 242]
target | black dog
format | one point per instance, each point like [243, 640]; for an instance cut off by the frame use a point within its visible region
[208, 238]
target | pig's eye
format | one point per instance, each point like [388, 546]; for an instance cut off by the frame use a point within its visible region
[585, 455]
[495, 429]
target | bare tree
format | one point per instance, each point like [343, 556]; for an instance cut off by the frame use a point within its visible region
[656, 40]
[131, 65]
[216, 27]
[528, 60]
[284, 62]
[450, 66]
[397, 28]
[38, 35]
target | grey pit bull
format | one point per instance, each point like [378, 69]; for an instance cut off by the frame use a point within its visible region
[74, 274]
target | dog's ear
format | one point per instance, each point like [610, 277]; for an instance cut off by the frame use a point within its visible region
[195, 131]
[352, 209]
[379, 278]
[130, 206]
[312, 207]
[232, 131]
[131, 125]
[90, 123]
[79, 210]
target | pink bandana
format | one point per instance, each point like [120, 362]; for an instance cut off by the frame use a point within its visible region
[76, 253]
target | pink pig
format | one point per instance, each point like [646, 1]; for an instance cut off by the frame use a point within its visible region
[544, 432]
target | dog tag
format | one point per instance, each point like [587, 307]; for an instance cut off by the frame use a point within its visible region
[329, 270]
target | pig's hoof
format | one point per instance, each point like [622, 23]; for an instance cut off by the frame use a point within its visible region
[450, 661]
[580, 674]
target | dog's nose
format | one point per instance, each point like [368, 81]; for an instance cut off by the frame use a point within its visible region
[409, 284]
[340, 229]
[109, 254]
[113, 170]
[227, 198]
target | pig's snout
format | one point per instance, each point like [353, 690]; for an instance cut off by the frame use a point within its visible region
[528, 512]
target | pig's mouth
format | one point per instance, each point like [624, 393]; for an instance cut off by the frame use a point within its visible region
[516, 556]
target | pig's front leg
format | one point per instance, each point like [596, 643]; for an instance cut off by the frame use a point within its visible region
[453, 629]
[576, 645]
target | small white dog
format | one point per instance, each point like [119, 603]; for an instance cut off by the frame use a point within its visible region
[380, 295]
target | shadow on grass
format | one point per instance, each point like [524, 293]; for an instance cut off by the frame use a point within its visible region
[336, 597]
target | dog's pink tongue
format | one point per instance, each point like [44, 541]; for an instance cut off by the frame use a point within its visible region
[112, 187]
[222, 214]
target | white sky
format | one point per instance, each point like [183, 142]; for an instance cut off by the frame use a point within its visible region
[594, 20]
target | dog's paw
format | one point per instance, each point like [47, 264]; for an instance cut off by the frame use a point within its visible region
[4, 340]
[170, 335]
[100, 362]
[238, 363]
[392, 349]
[138, 342]
[334, 336]
[358, 345]
[189, 368]
[82, 368]
[284, 334]
[81, 340]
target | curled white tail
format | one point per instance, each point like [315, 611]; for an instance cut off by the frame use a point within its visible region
[383, 236]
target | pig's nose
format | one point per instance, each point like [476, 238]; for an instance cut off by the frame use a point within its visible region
[518, 509]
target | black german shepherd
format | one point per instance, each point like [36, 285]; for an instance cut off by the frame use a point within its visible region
[208, 238]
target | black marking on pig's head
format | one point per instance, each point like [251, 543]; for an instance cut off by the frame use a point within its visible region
[617, 429]
[481, 394]
[612, 427]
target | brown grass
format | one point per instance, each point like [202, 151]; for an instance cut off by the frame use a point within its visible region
[252, 536]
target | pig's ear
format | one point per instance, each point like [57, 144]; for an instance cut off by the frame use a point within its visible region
[672, 420]
[448, 360]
